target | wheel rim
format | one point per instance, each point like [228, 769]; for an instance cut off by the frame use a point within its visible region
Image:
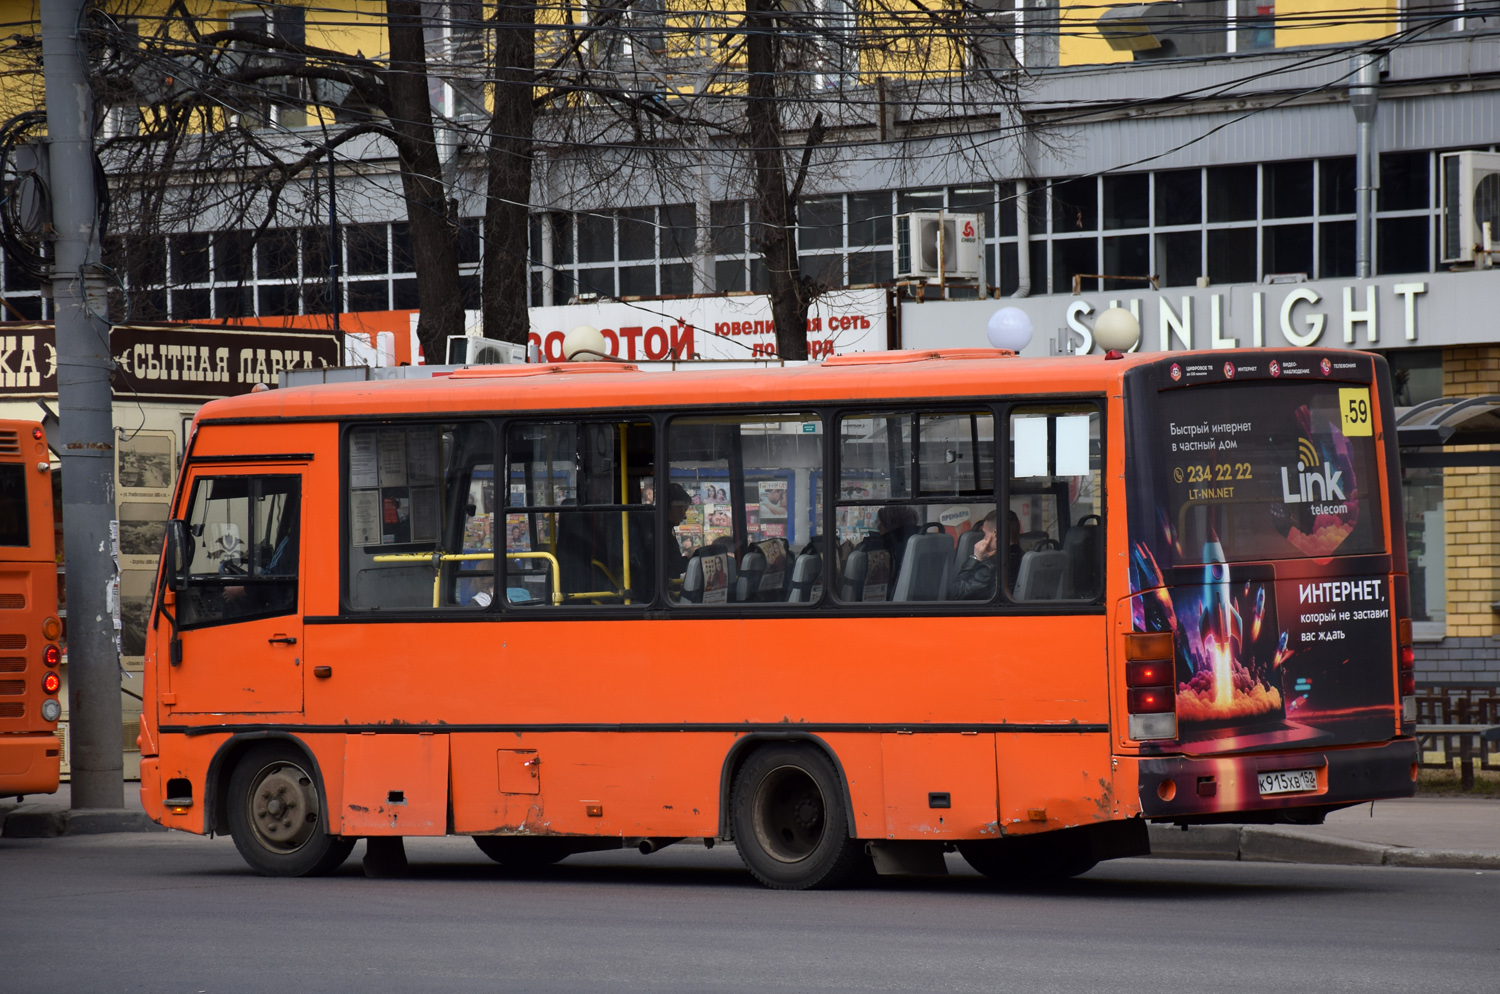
[789, 814]
[283, 807]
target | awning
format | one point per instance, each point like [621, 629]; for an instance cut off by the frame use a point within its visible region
[1429, 432]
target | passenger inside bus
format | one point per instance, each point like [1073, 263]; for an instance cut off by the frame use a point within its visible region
[975, 579]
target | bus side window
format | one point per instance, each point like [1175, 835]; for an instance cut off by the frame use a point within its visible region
[1057, 503]
[419, 514]
[580, 514]
[246, 541]
[743, 512]
[916, 525]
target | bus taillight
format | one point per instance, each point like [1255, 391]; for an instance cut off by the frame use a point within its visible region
[52, 655]
[51, 629]
[51, 682]
[1406, 670]
[1150, 694]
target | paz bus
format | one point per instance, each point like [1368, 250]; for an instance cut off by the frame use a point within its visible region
[849, 615]
[30, 654]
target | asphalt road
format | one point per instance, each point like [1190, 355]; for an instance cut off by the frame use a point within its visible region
[174, 913]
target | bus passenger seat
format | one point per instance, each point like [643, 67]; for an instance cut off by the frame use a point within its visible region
[692, 581]
[752, 568]
[1042, 574]
[807, 571]
[925, 568]
[852, 585]
[965, 548]
[1082, 547]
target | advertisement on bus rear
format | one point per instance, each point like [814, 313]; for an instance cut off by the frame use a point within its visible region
[1262, 552]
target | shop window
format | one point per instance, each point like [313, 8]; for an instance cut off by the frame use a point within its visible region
[562, 239]
[234, 302]
[1038, 252]
[1126, 200]
[820, 223]
[1289, 189]
[1179, 259]
[1070, 256]
[1336, 249]
[420, 514]
[823, 270]
[1128, 255]
[744, 510]
[366, 246]
[600, 281]
[1402, 244]
[1055, 549]
[1231, 193]
[242, 556]
[1336, 186]
[759, 280]
[1179, 197]
[404, 295]
[637, 234]
[914, 492]
[1231, 255]
[727, 225]
[276, 255]
[190, 305]
[315, 253]
[976, 200]
[231, 257]
[468, 235]
[596, 238]
[280, 299]
[637, 281]
[1426, 547]
[677, 279]
[365, 295]
[146, 259]
[1403, 182]
[190, 258]
[580, 518]
[1287, 249]
[402, 259]
[679, 231]
[869, 267]
[317, 298]
[729, 275]
[17, 278]
[919, 200]
[869, 219]
[1075, 206]
[1010, 277]
[562, 286]
[1005, 207]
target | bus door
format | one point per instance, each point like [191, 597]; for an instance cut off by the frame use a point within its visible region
[238, 616]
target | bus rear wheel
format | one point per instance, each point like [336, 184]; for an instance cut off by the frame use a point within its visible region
[276, 815]
[790, 822]
[1031, 860]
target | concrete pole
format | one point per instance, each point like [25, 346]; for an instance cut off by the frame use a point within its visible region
[1364, 100]
[84, 404]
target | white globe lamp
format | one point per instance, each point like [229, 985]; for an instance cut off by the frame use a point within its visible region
[584, 343]
[1009, 328]
[1117, 329]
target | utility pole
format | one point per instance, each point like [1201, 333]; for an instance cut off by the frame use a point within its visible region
[84, 400]
[1364, 99]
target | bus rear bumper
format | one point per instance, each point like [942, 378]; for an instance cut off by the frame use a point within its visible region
[29, 763]
[1230, 788]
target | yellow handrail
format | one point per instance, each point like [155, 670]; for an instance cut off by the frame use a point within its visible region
[438, 558]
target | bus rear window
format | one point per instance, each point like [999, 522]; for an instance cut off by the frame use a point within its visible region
[1258, 471]
[15, 528]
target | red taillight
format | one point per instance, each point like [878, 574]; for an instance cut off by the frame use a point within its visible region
[1148, 673]
[1408, 684]
[51, 682]
[1408, 657]
[52, 655]
[36, 433]
[1150, 700]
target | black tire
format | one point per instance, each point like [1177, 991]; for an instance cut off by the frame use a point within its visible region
[1031, 859]
[790, 821]
[276, 815]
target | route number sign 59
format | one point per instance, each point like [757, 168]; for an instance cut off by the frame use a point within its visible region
[1354, 410]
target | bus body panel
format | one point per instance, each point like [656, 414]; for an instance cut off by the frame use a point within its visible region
[30, 750]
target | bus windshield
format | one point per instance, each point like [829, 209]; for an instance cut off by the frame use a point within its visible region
[1267, 470]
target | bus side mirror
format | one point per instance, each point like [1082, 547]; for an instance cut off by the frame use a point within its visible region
[176, 555]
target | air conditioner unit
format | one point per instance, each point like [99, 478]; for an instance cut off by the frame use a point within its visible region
[465, 350]
[1471, 197]
[923, 239]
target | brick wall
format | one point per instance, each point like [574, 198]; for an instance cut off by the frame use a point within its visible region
[1459, 660]
[1471, 513]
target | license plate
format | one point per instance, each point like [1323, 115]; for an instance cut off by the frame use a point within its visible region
[1287, 781]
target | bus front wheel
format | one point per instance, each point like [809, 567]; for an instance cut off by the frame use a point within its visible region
[276, 815]
[789, 819]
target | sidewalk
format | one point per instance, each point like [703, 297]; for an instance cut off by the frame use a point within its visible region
[1450, 832]
[44, 816]
[1446, 832]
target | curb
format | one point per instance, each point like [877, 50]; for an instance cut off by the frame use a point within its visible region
[1275, 845]
[28, 821]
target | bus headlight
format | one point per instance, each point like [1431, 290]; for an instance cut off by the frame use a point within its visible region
[51, 710]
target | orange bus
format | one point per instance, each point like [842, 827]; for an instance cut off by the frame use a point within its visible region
[855, 612]
[30, 750]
